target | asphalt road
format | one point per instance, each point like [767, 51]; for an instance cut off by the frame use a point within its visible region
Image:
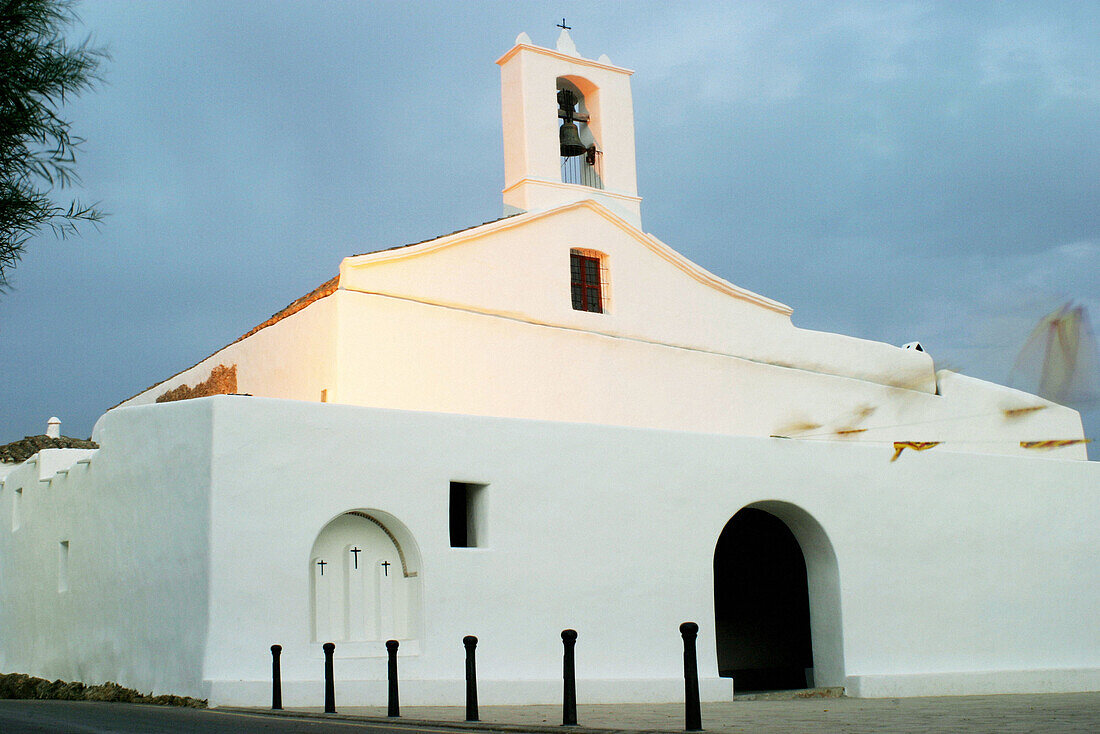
[87, 717]
[1064, 713]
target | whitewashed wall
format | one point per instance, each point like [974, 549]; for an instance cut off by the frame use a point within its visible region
[437, 358]
[519, 267]
[947, 564]
[135, 515]
[953, 573]
[481, 323]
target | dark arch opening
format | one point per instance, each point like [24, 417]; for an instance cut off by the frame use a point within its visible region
[762, 605]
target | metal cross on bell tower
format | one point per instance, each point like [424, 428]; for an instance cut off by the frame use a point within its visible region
[563, 26]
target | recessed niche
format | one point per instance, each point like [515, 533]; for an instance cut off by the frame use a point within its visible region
[468, 511]
[62, 566]
[17, 509]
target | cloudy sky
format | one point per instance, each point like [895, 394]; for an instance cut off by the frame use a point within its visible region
[896, 171]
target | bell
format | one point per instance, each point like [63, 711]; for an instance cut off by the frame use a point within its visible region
[570, 139]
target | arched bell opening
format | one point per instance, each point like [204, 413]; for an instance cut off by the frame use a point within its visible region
[578, 132]
[776, 601]
[364, 579]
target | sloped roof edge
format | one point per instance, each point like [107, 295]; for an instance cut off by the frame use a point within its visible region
[327, 288]
[437, 237]
[670, 255]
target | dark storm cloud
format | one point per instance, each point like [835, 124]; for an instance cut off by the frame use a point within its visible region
[892, 171]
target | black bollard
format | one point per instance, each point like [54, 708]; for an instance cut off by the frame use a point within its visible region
[276, 679]
[693, 716]
[569, 673]
[393, 708]
[471, 678]
[330, 686]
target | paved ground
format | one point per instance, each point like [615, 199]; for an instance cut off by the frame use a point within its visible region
[1077, 712]
[1070, 712]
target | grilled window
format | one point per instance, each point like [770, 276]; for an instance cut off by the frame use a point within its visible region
[586, 276]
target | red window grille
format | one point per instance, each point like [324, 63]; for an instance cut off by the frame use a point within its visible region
[585, 277]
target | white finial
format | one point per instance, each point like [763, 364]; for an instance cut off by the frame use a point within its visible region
[604, 59]
[565, 44]
[523, 39]
[53, 427]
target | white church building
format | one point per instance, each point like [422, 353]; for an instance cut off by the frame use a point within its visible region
[554, 420]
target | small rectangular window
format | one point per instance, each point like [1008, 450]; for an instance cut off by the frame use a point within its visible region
[468, 515]
[63, 567]
[585, 278]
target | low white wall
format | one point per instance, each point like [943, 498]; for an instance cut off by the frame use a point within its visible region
[974, 683]
[134, 513]
[950, 567]
[190, 532]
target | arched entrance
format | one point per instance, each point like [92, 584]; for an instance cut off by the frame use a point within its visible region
[762, 604]
[365, 584]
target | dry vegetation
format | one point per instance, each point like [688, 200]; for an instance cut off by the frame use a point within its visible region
[222, 381]
[17, 685]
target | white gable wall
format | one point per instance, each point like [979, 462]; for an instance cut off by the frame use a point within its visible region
[482, 323]
[520, 268]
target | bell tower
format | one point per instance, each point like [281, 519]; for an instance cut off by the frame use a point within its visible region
[568, 130]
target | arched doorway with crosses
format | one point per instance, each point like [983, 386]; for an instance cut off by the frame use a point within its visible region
[364, 579]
